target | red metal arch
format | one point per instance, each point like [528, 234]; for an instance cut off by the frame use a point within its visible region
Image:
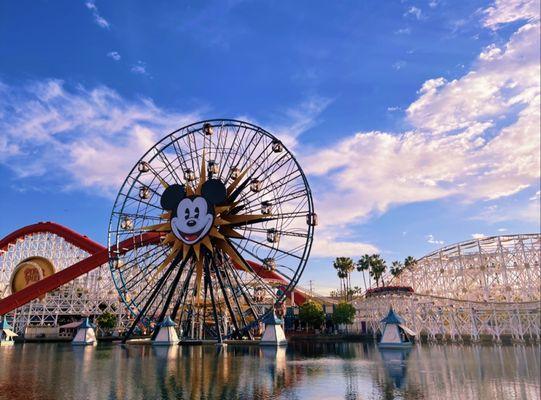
[99, 256]
[81, 241]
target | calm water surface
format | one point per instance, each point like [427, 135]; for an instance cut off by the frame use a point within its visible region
[303, 371]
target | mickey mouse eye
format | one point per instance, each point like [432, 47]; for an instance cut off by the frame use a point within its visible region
[196, 212]
[186, 214]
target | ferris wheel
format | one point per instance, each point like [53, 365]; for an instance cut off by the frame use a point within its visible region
[212, 228]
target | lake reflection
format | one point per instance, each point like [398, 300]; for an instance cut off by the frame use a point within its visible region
[303, 371]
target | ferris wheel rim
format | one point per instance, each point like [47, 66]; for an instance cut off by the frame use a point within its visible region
[159, 146]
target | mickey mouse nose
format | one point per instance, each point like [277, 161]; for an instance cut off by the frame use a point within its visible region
[190, 222]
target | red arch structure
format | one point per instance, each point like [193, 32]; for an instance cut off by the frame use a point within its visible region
[99, 255]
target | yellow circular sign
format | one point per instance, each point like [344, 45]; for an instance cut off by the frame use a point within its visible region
[30, 271]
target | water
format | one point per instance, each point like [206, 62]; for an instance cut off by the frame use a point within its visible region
[304, 371]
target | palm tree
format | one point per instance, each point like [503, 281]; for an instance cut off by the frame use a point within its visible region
[377, 267]
[344, 266]
[396, 268]
[364, 265]
[409, 261]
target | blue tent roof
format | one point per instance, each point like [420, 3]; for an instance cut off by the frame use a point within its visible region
[392, 318]
[167, 322]
[272, 319]
[86, 324]
[4, 324]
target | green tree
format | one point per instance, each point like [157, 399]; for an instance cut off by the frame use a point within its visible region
[364, 265]
[377, 267]
[344, 266]
[344, 313]
[396, 268]
[409, 262]
[106, 321]
[311, 314]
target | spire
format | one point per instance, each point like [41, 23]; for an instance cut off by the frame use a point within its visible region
[392, 318]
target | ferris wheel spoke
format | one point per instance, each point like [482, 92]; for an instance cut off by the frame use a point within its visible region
[159, 252]
[246, 157]
[269, 247]
[246, 265]
[231, 147]
[280, 183]
[167, 164]
[280, 232]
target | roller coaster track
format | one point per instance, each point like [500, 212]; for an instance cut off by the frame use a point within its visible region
[99, 255]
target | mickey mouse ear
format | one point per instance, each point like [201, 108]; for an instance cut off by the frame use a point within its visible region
[214, 191]
[172, 196]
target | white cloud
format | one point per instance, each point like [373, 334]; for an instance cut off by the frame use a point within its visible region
[399, 65]
[478, 235]
[403, 31]
[139, 68]
[505, 11]
[98, 19]
[330, 246]
[413, 12]
[432, 240]
[502, 229]
[89, 137]
[114, 55]
[474, 138]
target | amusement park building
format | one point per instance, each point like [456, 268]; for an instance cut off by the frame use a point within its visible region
[35, 252]
[482, 288]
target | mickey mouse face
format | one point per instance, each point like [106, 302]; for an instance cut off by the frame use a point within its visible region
[193, 216]
[193, 220]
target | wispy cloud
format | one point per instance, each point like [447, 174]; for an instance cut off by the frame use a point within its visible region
[414, 12]
[98, 19]
[399, 65]
[114, 55]
[403, 31]
[139, 68]
[459, 145]
[506, 11]
[88, 138]
[432, 240]
[478, 235]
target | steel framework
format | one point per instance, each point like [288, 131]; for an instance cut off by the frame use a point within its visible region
[230, 205]
[489, 286]
[90, 294]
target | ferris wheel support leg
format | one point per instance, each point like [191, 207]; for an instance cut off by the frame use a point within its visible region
[226, 298]
[212, 299]
[226, 273]
[170, 295]
[246, 298]
[151, 299]
[182, 297]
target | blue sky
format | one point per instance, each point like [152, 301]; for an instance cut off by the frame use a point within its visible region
[417, 122]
